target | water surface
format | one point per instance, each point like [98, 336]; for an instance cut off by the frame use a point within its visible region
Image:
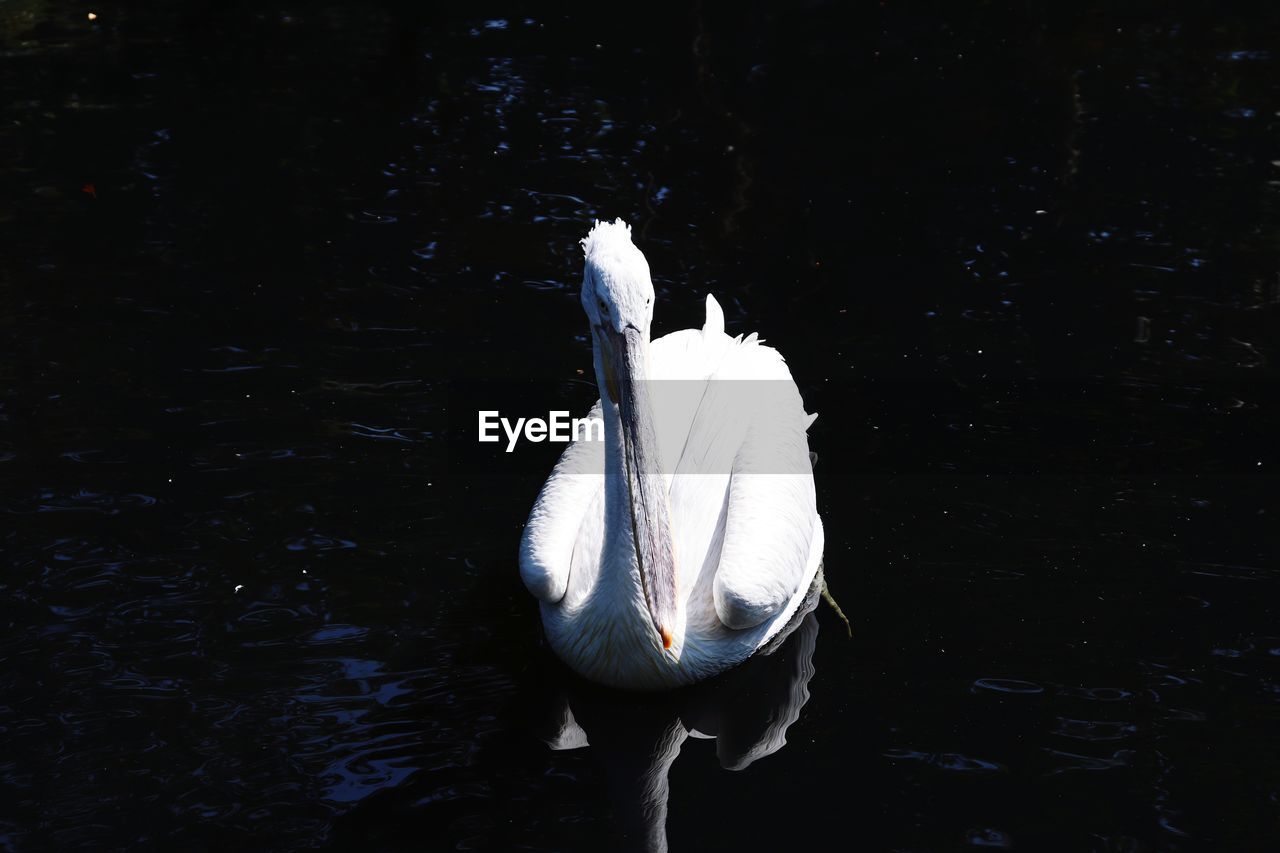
[261, 259]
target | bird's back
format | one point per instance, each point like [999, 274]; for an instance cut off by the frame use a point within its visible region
[713, 393]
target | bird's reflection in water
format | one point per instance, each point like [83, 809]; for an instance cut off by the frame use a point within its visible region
[636, 737]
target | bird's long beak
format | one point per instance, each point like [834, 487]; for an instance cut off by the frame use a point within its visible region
[625, 362]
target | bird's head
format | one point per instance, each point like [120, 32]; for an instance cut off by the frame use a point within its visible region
[617, 291]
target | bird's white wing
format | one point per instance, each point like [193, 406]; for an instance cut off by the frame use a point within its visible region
[769, 527]
[546, 550]
[772, 514]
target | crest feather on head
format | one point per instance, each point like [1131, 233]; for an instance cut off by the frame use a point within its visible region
[614, 237]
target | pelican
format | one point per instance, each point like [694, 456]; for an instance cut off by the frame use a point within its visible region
[686, 540]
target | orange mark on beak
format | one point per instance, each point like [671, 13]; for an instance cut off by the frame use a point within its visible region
[666, 639]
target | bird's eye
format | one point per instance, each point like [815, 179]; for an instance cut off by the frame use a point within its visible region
[604, 309]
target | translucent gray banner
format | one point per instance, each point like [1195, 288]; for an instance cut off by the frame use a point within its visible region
[684, 427]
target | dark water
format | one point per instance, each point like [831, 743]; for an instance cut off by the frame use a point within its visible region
[1022, 259]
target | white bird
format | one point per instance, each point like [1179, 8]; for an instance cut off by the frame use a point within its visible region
[685, 540]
